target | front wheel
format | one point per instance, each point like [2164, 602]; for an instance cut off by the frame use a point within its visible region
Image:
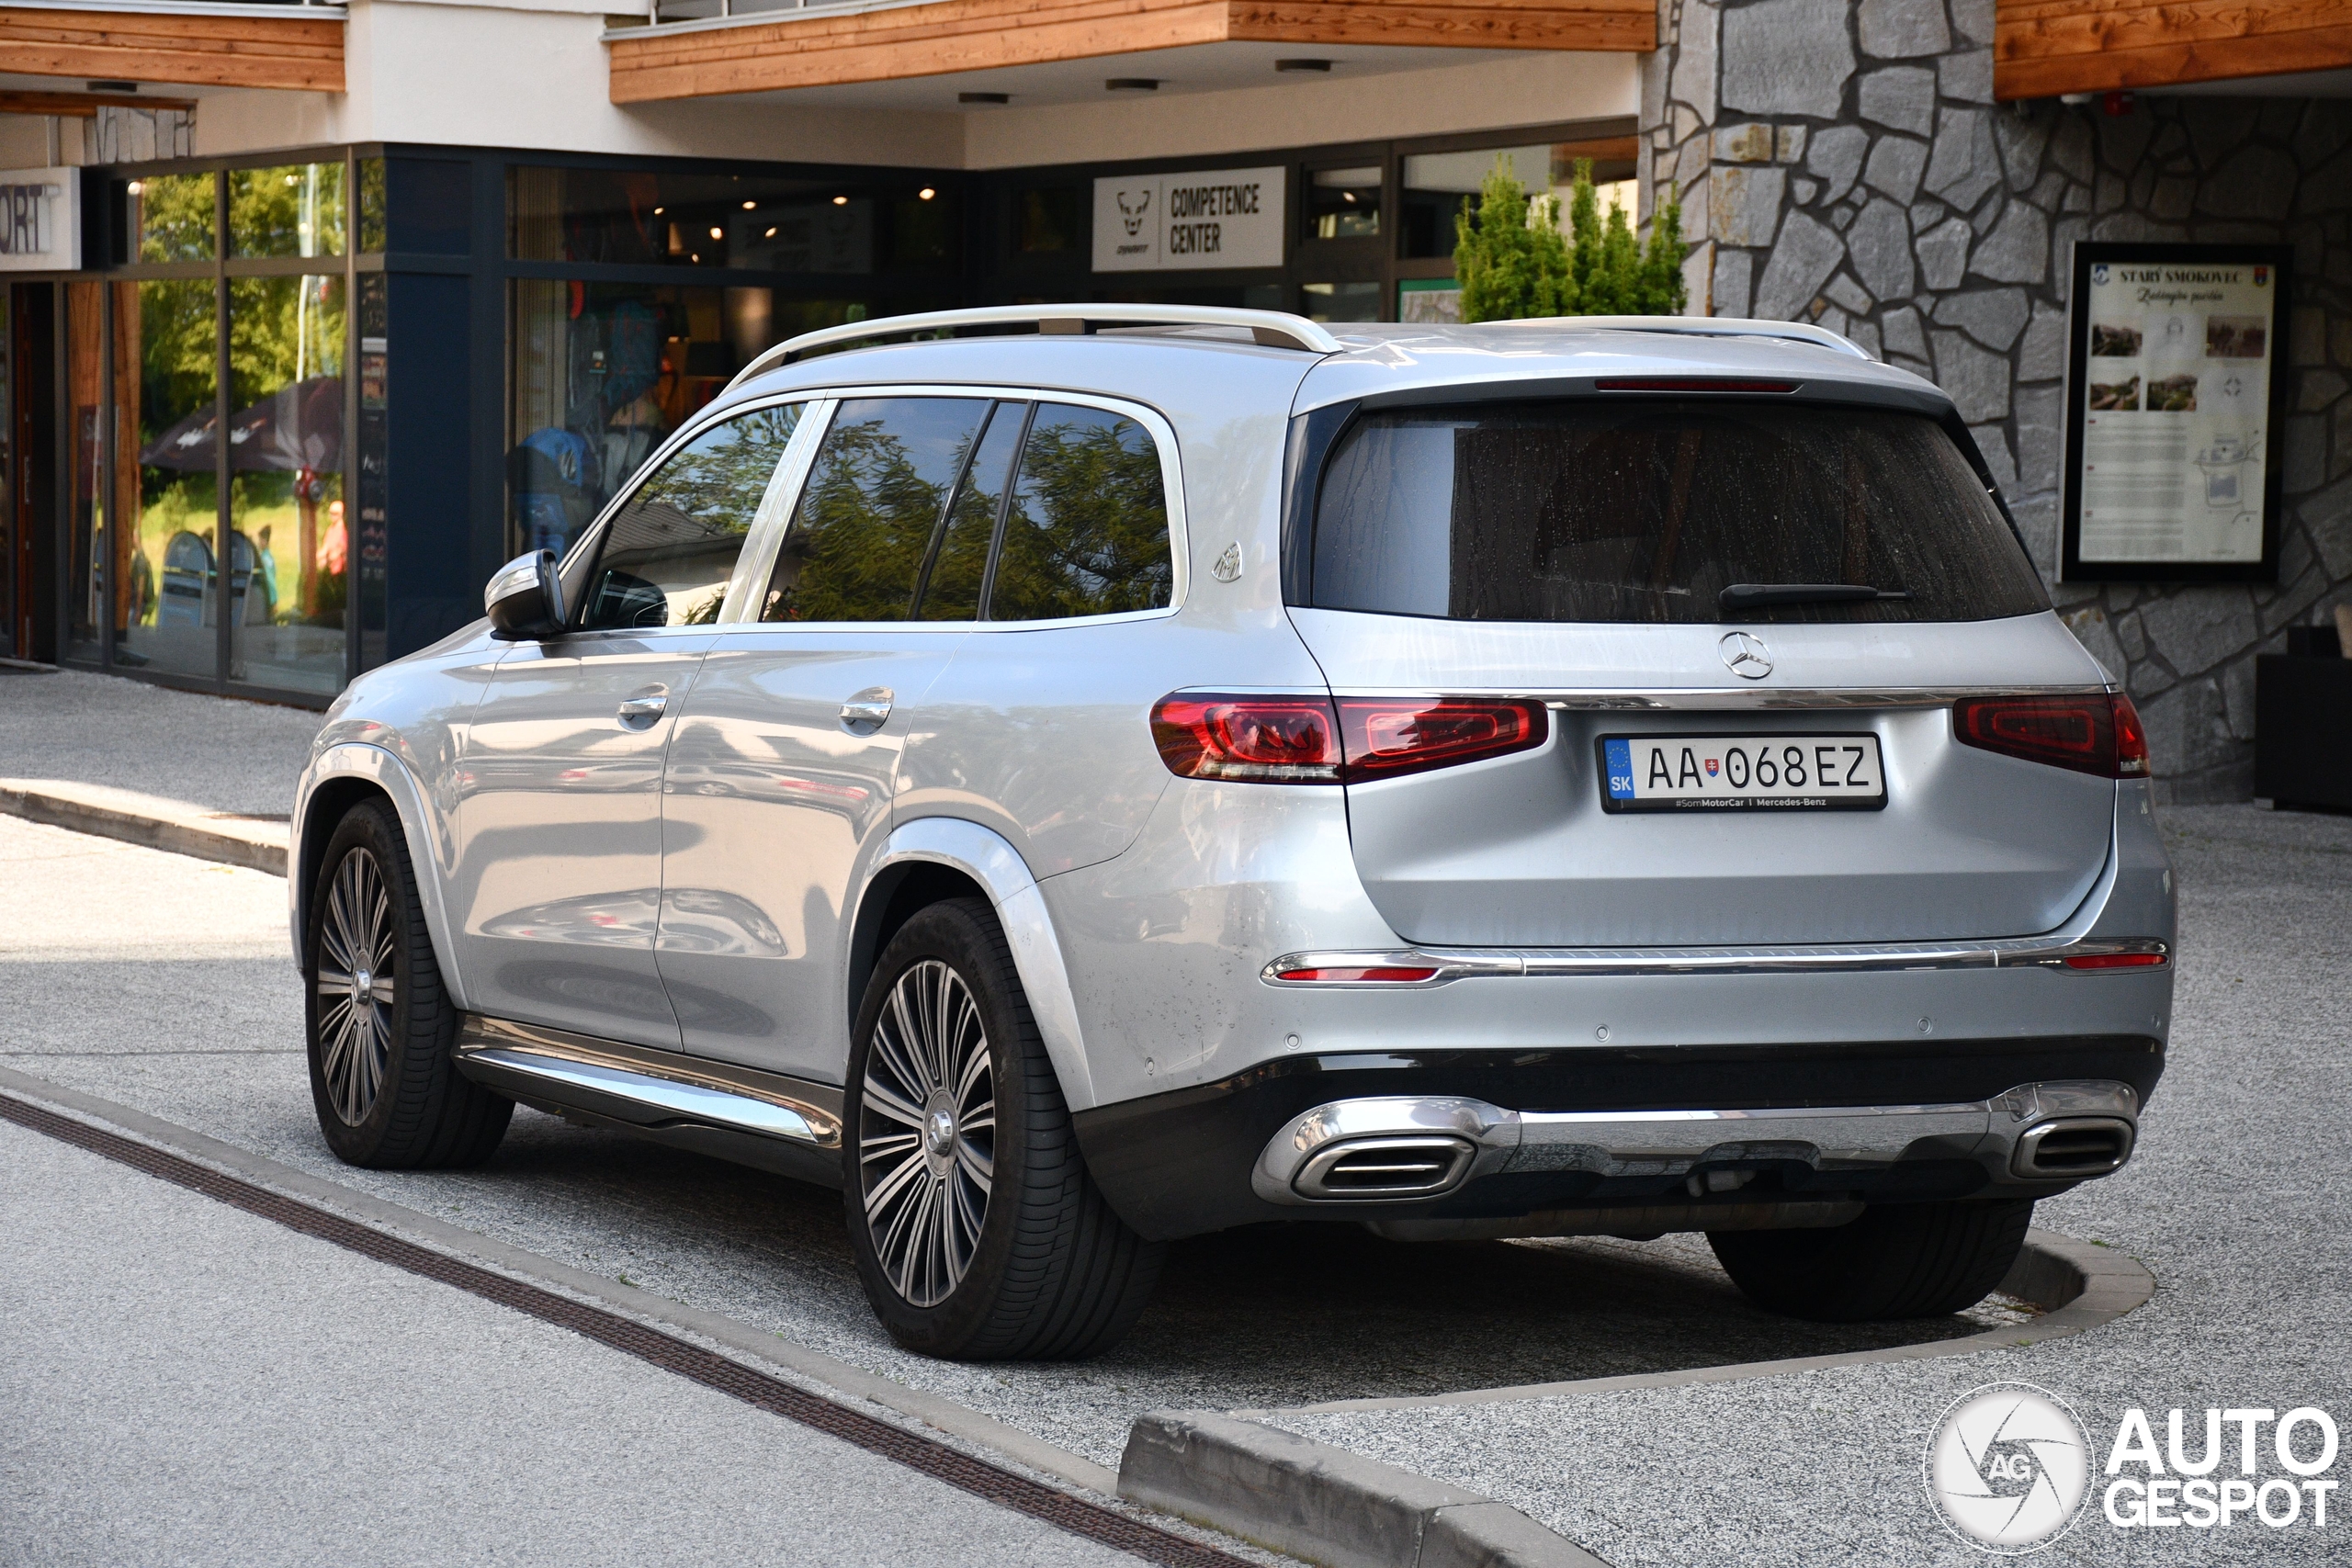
[977, 1232]
[1897, 1260]
[383, 1075]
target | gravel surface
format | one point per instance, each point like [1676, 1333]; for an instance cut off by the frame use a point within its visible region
[218, 753]
[163, 983]
[187, 1383]
[2233, 1202]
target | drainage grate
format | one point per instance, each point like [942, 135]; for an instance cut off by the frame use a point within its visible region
[927, 1455]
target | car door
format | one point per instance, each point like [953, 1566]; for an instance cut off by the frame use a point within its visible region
[559, 869]
[781, 775]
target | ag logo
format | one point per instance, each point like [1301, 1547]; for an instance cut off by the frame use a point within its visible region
[1746, 656]
[2008, 1467]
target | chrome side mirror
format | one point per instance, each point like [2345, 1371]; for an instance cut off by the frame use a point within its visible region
[525, 598]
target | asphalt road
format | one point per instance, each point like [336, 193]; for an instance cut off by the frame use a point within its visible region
[2234, 1202]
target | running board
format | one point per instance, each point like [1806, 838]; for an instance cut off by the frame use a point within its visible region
[641, 1087]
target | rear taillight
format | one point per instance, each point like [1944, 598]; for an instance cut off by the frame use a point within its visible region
[1284, 740]
[2099, 732]
[1384, 737]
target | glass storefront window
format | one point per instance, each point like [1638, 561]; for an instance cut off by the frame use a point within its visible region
[173, 216]
[371, 206]
[1343, 204]
[85, 609]
[287, 530]
[637, 217]
[1050, 221]
[290, 211]
[166, 575]
[1436, 186]
[1342, 301]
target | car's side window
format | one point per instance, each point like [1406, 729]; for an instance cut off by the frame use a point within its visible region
[670, 549]
[958, 568]
[1087, 530]
[871, 507]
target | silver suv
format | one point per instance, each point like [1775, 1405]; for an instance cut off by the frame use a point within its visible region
[1089, 776]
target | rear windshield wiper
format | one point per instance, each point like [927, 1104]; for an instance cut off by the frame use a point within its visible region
[1755, 595]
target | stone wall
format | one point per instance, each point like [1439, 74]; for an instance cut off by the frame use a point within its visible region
[1843, 162]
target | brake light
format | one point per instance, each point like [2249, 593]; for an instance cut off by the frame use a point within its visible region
[2115, 961]
[1688, 384]
[1384, 737]
[1286, 739]
[1256, 740]
[1396, 975]
[2099, 732]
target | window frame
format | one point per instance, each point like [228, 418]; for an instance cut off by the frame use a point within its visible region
[1155, 424]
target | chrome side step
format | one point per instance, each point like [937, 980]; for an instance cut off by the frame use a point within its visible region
[645, 1087]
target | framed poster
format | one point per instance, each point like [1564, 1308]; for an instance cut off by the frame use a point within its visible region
[2175, 392]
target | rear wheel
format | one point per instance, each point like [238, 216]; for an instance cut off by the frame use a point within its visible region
[1897, 1260]
[977, 1232]
[383, 1075]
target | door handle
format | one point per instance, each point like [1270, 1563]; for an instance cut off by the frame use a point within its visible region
[643, 709]
[868, 711]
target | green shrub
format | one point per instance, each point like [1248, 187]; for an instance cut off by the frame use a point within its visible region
[1514, 263]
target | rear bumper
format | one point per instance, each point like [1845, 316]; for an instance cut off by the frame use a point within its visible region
[1566, 1140]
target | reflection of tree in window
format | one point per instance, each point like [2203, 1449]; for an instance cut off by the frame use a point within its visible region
[872, 500]
[674, 545]
[1088, 530]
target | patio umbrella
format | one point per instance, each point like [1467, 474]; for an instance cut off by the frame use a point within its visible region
[295, 429]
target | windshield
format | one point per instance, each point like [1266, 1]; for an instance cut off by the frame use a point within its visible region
[1648, 510]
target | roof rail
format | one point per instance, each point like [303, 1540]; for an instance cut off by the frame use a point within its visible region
[1712, 326]
[1271, 329]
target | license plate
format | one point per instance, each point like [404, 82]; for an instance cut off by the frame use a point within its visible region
[1741, 773]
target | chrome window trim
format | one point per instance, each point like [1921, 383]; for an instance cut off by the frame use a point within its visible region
[1171, 484]
[1454, 964]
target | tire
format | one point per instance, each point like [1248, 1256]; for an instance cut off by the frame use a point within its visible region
[383, 1075]
[1897, 1260]
[977, 1232]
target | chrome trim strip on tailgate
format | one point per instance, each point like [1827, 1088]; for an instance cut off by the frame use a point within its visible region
[684, 1087]
[1450, 963]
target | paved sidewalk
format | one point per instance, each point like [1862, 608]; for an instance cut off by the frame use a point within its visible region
[214, 753]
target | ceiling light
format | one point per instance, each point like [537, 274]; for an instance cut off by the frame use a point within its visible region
[697, 256]
[841, 201]
[1132, 85]
[984, 97]
[1301, 65]
[112, 86]
[719, 234]
[749, 206]
[925, 194]
[658, 211]
[769, 235]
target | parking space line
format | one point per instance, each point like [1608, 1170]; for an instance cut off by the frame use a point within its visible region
[925, 1455]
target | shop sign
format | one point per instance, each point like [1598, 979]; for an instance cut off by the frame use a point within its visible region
[40, 219]
[1194, 221]
[2176, 367]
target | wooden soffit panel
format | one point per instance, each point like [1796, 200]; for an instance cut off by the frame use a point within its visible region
[147, 46]
[815, 50]
[2043, 48]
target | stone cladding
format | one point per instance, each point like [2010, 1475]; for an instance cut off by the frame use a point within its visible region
[1843, 162]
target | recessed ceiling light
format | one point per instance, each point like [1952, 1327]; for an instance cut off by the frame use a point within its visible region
[841, 201]
[769, 235]
[1301, 65]
[984, 97]
[658, 211]
[750, 206]
[719, 234]
[925, 194]
[1133, 85]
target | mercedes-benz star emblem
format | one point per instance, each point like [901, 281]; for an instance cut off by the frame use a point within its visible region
[1746, 656]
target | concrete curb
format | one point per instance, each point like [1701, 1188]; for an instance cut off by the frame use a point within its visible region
[150, 821]
[1293, 1494]
[1333, 1506]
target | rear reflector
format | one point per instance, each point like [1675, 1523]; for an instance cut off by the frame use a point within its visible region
[1287, 740]
[2099, 732]
[1394, 976]
[2115, 961]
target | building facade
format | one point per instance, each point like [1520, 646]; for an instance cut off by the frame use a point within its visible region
[338, 307]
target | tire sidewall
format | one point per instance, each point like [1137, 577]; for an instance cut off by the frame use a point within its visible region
[952, 935]
[363, 828]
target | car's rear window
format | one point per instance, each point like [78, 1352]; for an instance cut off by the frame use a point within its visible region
[1646, 511]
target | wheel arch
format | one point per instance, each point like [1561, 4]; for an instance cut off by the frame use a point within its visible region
[337, 779]
[935, 858]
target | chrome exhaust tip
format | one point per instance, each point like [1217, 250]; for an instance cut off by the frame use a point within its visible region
[2072, 1149]
[1385, 1168]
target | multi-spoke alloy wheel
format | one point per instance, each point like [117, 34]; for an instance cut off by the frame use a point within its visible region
[355, 983]
[383, 1028]
[926, 1137]
[976, 1230]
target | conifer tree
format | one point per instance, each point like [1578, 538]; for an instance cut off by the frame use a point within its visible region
[1514, 263]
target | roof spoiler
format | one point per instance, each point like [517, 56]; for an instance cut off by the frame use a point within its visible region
[1269, 329]
[1706, 326]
